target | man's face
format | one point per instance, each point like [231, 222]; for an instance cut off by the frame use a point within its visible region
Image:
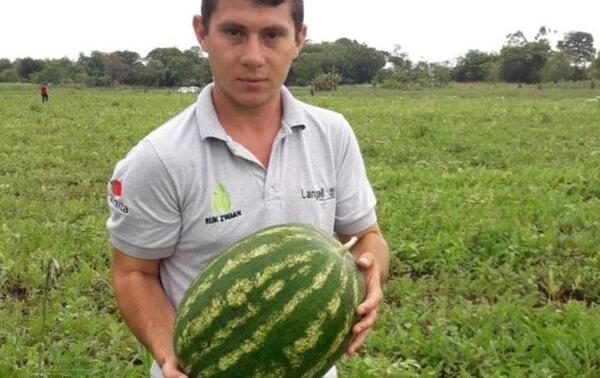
[251, 48]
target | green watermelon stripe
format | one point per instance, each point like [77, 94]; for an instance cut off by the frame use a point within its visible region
[312, 334]
[259, 251]
[273, 289]
[223, 333]
[200, 289]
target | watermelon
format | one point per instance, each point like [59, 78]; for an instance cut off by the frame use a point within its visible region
[278, 303]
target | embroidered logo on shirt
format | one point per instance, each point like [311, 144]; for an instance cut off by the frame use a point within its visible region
[220, 201]
[114, 196]
[221, 206]
[116, 188]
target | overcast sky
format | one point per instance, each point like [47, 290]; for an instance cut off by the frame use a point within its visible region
[431, 30]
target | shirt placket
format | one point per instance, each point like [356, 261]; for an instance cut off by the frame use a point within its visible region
[272, 188]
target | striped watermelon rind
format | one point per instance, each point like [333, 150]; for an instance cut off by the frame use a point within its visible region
[278, 303]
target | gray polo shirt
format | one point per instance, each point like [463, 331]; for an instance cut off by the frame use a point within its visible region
[187, 190]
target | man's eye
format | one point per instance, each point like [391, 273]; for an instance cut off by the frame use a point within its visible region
[233, 32]
[271, 35]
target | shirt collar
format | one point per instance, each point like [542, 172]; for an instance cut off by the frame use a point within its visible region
[210, 127]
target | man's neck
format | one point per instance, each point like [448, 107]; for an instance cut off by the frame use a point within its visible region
[237, 119]
[255, 128]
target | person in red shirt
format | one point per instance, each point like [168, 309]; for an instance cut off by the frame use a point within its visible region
[44, 92]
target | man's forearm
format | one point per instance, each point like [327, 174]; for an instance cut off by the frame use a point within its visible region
[147, 311]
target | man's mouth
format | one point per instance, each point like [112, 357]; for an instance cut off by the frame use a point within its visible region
[252, 80]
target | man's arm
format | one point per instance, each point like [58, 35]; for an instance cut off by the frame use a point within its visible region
[371, 253]
[145, 308]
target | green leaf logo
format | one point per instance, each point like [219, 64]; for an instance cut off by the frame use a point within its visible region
[221, 203]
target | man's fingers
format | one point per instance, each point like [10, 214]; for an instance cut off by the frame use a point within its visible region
[171, 370]
[371, 302]
[366, 322]
[368, 308]
[366, 260]
[357, 342]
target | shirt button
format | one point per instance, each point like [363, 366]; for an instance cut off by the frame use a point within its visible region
[273, 190]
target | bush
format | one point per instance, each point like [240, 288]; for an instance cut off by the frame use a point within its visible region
[9, 76]
[326, 82]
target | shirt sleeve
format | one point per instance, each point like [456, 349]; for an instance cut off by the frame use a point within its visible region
[355, 206]
[145, 220]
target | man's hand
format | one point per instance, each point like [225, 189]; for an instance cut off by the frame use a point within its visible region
[371, 254]
[369, 307]
[170, 369]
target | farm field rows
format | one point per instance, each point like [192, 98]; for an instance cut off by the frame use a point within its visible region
[489, 197]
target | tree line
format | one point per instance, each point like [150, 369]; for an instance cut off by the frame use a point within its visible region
[327, 64]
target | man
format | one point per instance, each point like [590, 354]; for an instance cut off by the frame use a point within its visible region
[242, 158]
[44, 91]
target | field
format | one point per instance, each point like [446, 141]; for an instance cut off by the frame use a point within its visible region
[489, 197]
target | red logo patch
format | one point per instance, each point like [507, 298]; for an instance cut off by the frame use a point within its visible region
[116, 187]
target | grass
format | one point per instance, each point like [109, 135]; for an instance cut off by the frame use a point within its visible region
[489, 196]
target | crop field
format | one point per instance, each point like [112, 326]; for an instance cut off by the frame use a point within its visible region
[489, 197]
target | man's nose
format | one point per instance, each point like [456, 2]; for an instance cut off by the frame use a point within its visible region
[253, 54]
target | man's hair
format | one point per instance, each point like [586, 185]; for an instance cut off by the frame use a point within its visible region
[208, 7]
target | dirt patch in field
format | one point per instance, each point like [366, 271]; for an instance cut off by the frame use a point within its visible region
[14, 291]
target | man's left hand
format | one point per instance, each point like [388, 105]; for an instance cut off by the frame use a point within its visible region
[369, 307]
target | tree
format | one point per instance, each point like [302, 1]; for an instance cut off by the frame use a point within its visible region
[354, 61]
[129, 68]
[8, 73]
[155, 73]
[580, 47]
[306, 67]
[56, 71]
[114, 68]
[190, 68]
[28, 66]
[357, 62]
[5, 64]
[516, 39]
[93, 68]
[400, 74]
[168, 57]
[596, 68]
[557, 68]
[524, 63]
[197, 50]
[440, 73]
[474, 66]
[9, 76]
[543, 33]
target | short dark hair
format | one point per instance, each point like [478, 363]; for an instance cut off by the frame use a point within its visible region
[208, 7]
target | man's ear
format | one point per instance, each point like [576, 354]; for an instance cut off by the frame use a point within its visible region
[200, 31]
[300, 38]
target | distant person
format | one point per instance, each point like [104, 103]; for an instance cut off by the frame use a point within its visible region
[44, 92]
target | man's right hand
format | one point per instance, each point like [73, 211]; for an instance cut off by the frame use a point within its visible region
[170, 369]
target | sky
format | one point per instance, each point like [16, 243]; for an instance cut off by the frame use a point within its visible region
[430, 30]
